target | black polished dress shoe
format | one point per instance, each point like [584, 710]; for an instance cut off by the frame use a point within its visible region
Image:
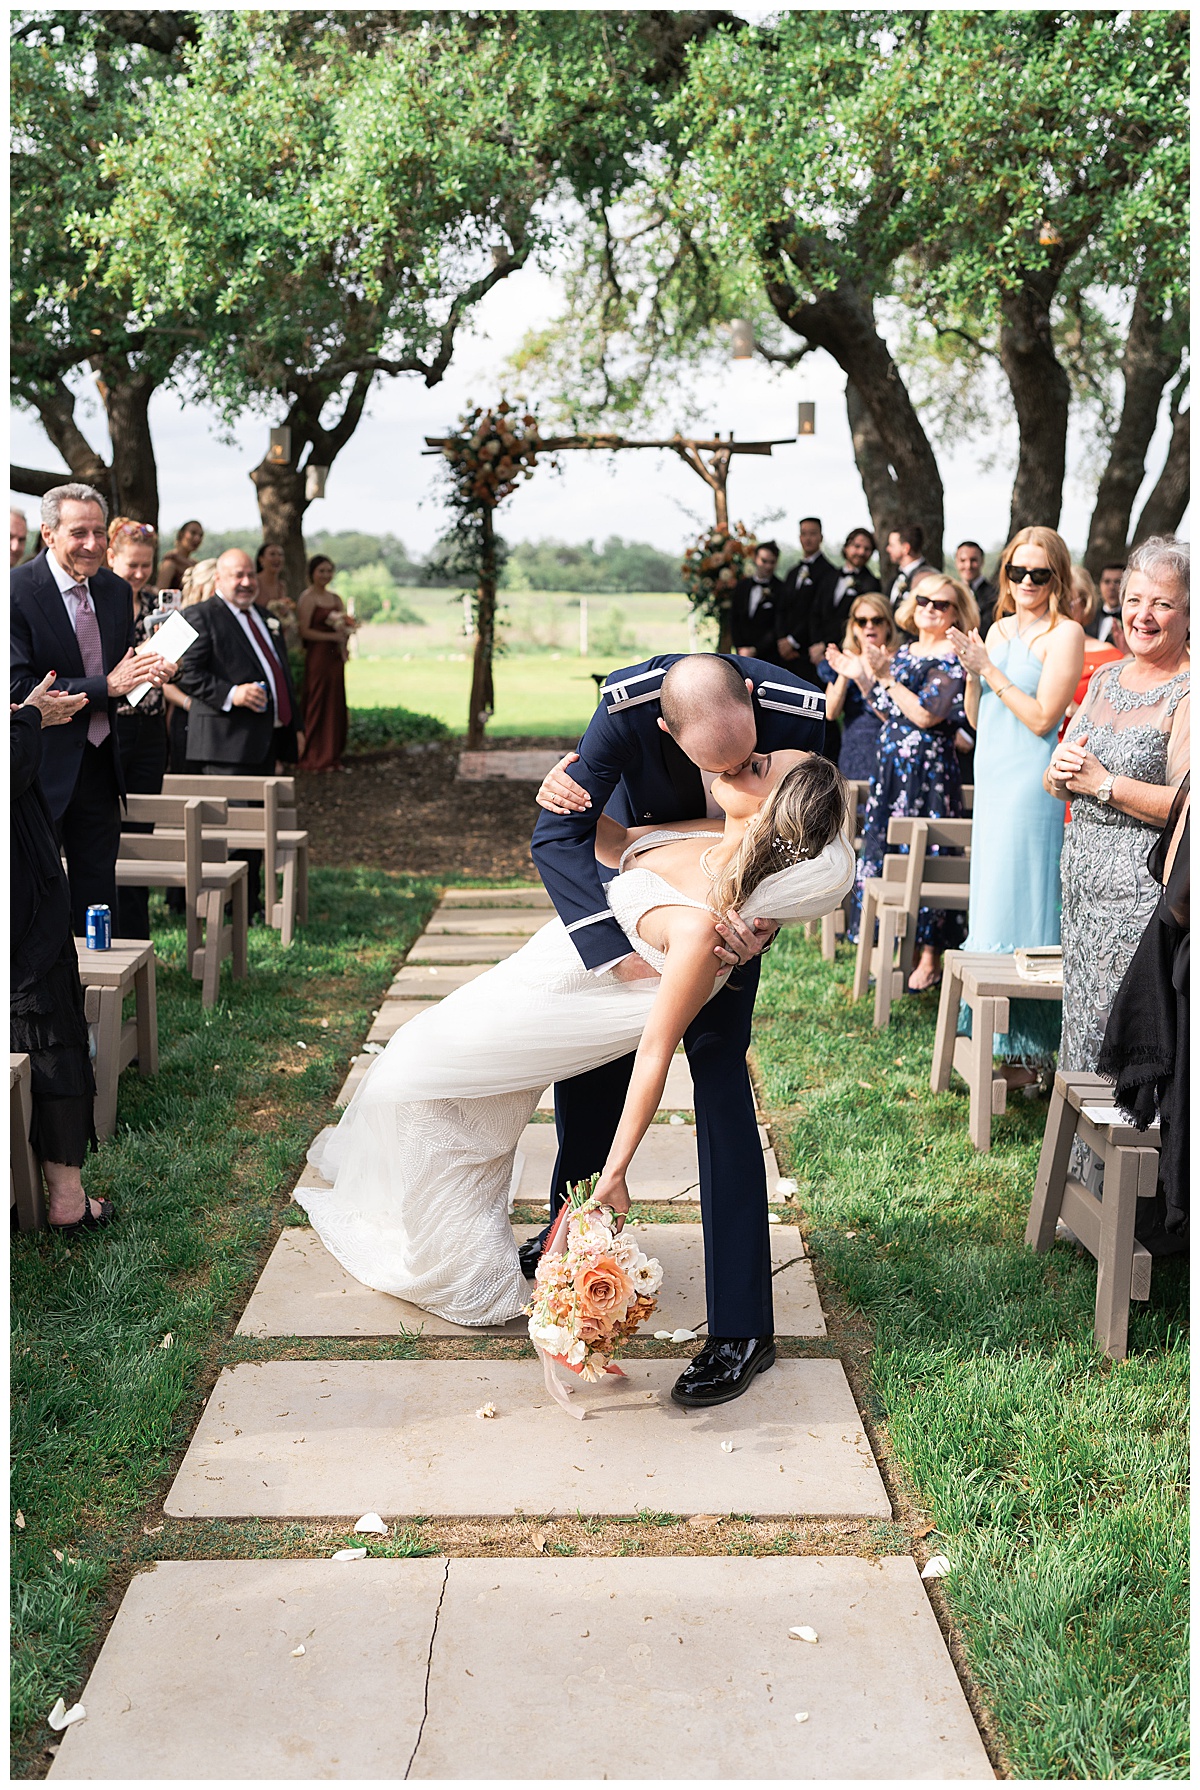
[530, 1254]
[723, 1369]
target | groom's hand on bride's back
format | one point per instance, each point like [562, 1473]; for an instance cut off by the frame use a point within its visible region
[633, 968]
[743, 940]
[560, 794]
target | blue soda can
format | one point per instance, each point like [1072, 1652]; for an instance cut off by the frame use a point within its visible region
[99, 928]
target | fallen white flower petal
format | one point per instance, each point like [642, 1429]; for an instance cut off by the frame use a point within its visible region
[297, 1651]
[324, 1022]
[774, 1218]
[300, 1044]
[936, 1567]
[167, 1340]
[486, 1411]
[371, 1524]
[61, 1717]
[663, 1336]
[350, 1554]
[683, 1335]
[787, 1186]
[20, 1519]
[803, 1717]
[373, 1050]
[803, 1634]
[677, 1119]
[727, 1448]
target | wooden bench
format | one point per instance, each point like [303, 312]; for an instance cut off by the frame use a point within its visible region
[986, 981]
[263, 820]
[909, 881]
[1081, 1107]
[188, 851]
[24, 1170]
[107, 977]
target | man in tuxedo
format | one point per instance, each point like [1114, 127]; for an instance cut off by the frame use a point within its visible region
[18, 534]
[806, 587]
[853, 581]
[662, 732]
[1109, 613]
[968, 562]
[906, 549]
[69, 614]
[756, 609]
[243, 718]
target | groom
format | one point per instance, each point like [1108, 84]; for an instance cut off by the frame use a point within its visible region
[661, 733]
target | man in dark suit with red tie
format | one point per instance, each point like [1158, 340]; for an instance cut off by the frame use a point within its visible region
[70, 615]
[242, 722]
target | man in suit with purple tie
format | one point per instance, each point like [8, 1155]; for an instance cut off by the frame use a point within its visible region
[70, 615]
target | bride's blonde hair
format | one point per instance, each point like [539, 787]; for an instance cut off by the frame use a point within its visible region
[804, 811]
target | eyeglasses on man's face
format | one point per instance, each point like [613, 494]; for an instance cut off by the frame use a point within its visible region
[1038, 575]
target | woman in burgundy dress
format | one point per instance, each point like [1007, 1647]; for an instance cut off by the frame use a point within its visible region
[324, 627]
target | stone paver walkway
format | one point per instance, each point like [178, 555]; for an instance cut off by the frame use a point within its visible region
[449, 1667]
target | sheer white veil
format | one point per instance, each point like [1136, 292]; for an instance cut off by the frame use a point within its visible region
[807, 890]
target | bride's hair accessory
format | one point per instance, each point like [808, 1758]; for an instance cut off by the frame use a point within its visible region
[593, 1289]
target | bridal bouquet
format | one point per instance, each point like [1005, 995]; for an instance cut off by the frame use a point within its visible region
[593, 1288]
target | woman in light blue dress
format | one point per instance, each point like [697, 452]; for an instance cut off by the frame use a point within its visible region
[1019, 686]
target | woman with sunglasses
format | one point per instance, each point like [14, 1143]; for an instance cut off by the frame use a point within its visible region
[849, 684]
[1019, 686]
[919, 692]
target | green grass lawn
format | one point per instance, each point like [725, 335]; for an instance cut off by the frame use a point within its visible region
[202, 1163]
[1057, 1480]
[543, 686]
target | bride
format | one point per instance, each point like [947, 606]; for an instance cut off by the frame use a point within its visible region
[422, 1161]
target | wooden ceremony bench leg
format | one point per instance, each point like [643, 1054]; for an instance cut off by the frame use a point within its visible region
[1114, 1273]
[213, 904]
[1046, 1204]
[889, 923]
[108, 1060]
[983, 1026]
[145, 994]
[302, 883]
[866, 943]
[241, 928]
[828, 938]
[947, 1025]
[288, 907]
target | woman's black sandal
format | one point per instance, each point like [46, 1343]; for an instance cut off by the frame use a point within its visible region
[89, 1221]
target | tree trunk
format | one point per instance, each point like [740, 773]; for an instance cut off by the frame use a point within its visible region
[843, 323]
[878, 479]
[281, 507]
[134, 476]
[483, 696]
[1041, 395]
[1148, 363]
[1163, 509]
[56, 408]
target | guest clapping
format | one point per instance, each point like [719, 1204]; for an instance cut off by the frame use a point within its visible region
[324, 629]
[919, 691]
[850, 682]
[1019, 686]
[1123, 755]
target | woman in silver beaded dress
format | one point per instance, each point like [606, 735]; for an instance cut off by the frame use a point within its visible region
[1122, 757]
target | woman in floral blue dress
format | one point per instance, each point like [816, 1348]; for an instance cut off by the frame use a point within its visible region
[919, 691]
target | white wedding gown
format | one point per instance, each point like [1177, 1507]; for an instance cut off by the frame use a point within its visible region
[422, 1160]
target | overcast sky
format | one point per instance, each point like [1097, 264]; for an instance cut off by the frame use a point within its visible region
[380, 484]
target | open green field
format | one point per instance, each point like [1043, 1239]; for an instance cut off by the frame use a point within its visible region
[543, 685]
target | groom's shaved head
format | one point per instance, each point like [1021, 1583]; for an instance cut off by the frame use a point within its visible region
[706, 709]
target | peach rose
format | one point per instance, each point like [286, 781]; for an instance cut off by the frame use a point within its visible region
[604, 1291]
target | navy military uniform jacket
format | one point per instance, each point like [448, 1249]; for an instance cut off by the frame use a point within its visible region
[636, 772]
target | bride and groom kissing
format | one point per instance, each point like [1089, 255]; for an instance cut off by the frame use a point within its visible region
[697, 816]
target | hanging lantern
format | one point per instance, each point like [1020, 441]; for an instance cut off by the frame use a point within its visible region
[280, 451]
[806, 419]
[314, 480]
[741, 336]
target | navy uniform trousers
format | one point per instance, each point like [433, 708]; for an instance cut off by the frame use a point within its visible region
[733, 1180]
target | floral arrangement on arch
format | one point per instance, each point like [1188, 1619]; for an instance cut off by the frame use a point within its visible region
[492, 452]
[594, 1287]
[712, 566]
